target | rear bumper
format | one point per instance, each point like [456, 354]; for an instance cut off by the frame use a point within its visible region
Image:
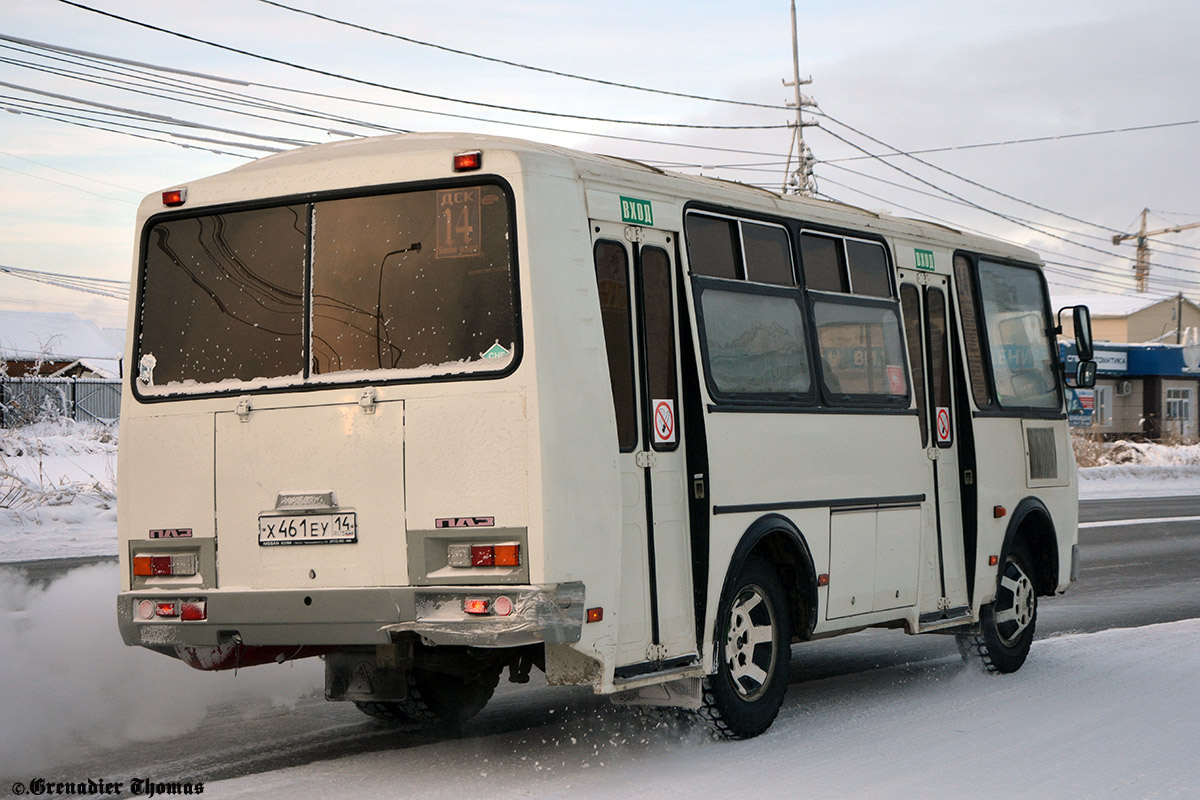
[551, 614]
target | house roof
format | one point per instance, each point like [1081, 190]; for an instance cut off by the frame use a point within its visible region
[55, 336]
[1115, 305]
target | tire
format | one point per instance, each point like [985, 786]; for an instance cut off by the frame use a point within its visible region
[743, 697]
[1007, 624]
[449, 699]
[383, 710]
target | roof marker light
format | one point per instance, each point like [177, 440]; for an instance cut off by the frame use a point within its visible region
[175, 197]
[465, 162]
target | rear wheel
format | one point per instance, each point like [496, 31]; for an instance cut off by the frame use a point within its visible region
[1007, 624]
[743, 698]
[448, 698]
[383, 710]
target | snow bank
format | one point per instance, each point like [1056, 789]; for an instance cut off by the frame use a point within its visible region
[1105, 715]
[58, 490]
[1139, 469]
[1138, 480]
[72, 686]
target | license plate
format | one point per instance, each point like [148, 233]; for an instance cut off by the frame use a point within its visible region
[307, 529]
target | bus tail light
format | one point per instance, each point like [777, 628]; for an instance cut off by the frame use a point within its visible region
[595, 614]
[508, 555]
[174, 197]
[476, 605]
[193, 610]
[170, 566]
[483, 555]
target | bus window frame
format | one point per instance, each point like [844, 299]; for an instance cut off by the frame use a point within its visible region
[844, 235]
[996, 408]
[871, 402]
[310, 199]
[764, 400]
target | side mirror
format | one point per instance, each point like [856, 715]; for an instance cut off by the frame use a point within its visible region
[1085, 375]
[1081, 320]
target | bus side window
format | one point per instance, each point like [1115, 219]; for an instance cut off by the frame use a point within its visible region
[911, 307]
[824, 263]
[971, 336]
[939, 355]
[868, 268]
[713, 247]
[768, 254]
[657, 305]
[612, 282]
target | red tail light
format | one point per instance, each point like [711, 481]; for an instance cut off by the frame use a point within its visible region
[151, 566]
[194, 610]
[475, 605]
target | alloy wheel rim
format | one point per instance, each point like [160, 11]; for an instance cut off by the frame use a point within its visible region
[750, 652]
[1016, 603]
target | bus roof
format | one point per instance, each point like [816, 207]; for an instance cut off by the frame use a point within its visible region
[365, 162]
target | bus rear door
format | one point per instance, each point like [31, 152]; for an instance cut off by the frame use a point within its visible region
[635, 273]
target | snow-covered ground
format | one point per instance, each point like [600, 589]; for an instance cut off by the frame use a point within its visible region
[1112, 714]
[58, 491]
[58, 485]
[1106, 715]
[1103, 715]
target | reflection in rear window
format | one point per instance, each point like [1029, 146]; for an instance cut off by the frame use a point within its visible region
[420, 284]
[223, 297]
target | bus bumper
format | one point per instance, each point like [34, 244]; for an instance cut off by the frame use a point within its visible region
[550, 614]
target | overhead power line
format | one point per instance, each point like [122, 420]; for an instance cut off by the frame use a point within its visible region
[428, 95]
[379, 104]
[1006, 142]
[519, 65]
[105, 287]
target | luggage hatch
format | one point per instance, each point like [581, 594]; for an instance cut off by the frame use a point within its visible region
[311, 496]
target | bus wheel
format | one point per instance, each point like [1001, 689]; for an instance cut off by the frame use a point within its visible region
[1007, 624]
[448, 698]
[383, 710]
[742, 699]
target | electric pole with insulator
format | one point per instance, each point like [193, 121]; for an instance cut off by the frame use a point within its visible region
[801, 180]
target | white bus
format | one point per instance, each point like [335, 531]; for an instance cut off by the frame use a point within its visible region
[433, 406]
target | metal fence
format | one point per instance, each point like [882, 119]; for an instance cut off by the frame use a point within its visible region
[27, 400]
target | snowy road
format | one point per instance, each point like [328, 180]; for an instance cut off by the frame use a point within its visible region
[114, 711]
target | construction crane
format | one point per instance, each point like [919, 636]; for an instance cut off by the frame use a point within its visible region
[1141, 269]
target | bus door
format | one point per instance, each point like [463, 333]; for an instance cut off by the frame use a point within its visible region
[925, 299]
[635, 274]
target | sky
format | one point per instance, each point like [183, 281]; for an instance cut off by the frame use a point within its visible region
[927, 74]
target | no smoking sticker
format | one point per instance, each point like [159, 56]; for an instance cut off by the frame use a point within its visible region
[943, 424]
[664, 421]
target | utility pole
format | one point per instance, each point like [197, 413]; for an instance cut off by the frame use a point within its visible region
[1141, 268]
[801, 180]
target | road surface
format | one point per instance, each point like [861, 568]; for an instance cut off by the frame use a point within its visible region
[1137, 569]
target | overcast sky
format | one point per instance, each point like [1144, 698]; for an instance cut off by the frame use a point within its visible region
[917, 75]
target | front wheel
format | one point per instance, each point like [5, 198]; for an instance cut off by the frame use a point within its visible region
[1007, 624]
[743, 698]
